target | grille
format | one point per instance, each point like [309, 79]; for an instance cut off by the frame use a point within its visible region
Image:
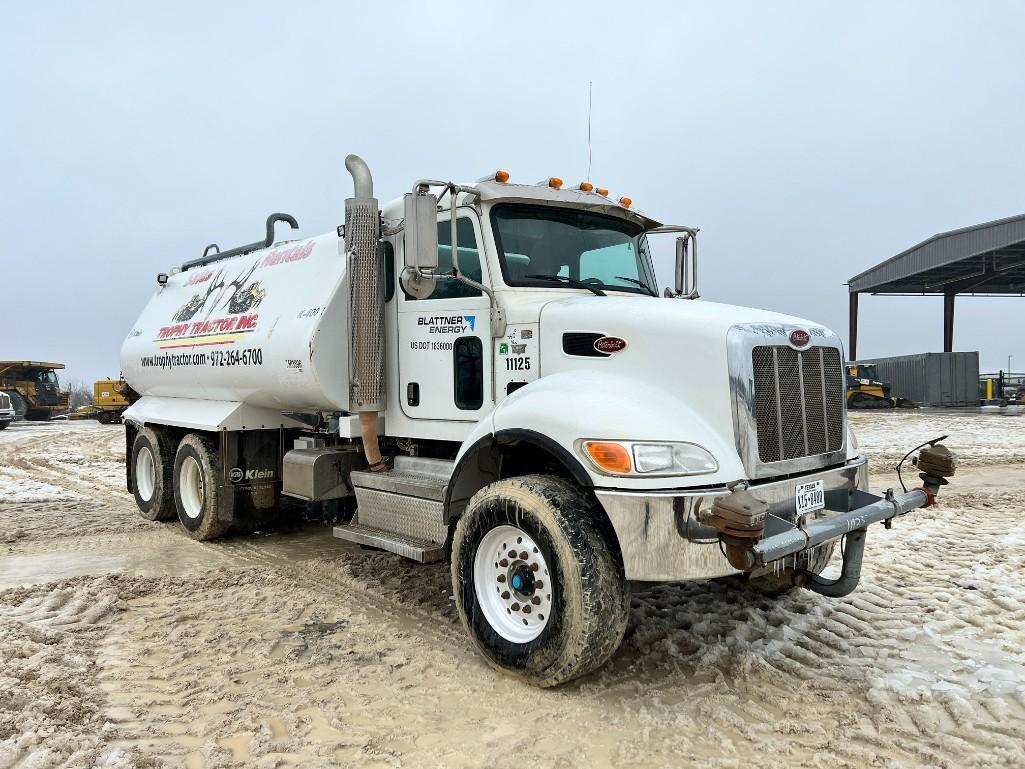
[798, 401]
[5, 401]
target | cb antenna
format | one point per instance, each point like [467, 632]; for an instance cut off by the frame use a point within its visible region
[590, 85]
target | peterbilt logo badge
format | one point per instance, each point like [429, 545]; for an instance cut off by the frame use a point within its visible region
[609, 344]
[799, 338]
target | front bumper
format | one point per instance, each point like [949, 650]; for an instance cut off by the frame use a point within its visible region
[662, 540]
[7, 415]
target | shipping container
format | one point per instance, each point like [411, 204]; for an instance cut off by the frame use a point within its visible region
[932, 378]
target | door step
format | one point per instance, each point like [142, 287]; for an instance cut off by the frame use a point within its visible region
[408, 547]
[402, 510]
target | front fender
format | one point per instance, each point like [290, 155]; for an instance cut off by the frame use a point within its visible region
[591, 404]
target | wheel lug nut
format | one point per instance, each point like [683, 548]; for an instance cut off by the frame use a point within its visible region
[538, 584]
[503, 562]
[526, 610]
[505, 595]
[533, 567]
[512, 553]
[523, 555]
[501, 578]
[536, 600]
[515, 607]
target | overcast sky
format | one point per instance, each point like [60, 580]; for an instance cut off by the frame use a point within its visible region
[808, 141]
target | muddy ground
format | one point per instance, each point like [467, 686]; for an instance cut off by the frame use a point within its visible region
[125, 644]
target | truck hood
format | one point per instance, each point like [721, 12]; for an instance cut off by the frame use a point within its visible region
[676, 353]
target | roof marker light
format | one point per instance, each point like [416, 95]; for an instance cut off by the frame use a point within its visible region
[586, 186]
[602, 191]
[625, 202]
[502, 176]
[555, 183]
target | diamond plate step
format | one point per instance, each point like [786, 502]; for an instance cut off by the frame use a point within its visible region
[408, 547]
[411, 477]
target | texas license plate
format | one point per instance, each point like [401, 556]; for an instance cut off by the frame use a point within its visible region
[809, 497]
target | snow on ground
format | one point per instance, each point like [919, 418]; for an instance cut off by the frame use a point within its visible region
[977, 438]
[291, 648]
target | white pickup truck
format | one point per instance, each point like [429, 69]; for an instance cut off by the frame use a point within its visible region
[487, 373]
[7, 413]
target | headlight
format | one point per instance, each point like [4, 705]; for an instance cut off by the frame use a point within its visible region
[647, 458]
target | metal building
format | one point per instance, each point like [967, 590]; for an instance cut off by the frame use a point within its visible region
[983, 260]
[932, 378]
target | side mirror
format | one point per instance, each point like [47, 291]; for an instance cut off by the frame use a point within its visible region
[687, 266]
[421, 231]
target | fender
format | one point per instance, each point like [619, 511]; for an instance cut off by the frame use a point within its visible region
[550, 414]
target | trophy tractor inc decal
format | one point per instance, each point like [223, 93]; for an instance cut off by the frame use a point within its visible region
[220, 314]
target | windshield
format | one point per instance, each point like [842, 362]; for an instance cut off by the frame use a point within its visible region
[603, 251]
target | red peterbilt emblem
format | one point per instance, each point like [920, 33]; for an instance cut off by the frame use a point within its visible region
[800, 338]
[609, 344]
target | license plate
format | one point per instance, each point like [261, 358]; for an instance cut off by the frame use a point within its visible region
[809, 497]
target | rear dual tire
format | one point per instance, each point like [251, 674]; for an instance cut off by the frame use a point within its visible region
[152, 484]
[533, 546]
[195, 488]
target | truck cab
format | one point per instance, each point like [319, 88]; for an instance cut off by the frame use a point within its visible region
[488, 374]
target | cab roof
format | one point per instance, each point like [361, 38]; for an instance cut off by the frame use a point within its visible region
[495, 192]
[6, 364]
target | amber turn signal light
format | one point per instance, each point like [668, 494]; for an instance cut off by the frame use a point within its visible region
[611, 457]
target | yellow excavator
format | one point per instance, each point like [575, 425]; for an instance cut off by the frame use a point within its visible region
[866, 391]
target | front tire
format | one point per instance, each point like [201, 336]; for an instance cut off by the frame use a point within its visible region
[195, 488]
[560, 603]
[152, 464]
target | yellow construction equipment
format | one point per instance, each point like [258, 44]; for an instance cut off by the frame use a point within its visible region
[33, 388]
[109, 399]
[866, 391]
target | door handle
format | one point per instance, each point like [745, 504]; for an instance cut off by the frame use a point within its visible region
[413, 393]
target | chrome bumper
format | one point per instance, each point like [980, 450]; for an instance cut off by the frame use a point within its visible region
[662, 541]
[7, 415]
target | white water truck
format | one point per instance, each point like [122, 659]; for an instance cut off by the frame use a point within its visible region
[531, 409]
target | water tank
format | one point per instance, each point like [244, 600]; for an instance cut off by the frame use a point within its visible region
[269, 328]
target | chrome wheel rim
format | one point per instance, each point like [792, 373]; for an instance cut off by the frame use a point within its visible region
[190, 487]
[512, 584]
[145, 474]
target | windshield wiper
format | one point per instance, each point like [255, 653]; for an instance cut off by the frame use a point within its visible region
[636, 282]
[569, 282]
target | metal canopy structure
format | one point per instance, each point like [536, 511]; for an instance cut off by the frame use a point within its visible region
[982, 260]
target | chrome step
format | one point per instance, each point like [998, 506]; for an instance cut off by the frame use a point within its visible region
[410, 477]
[406, 503]
[408, 547]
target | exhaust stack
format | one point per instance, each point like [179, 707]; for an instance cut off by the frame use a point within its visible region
[366, 308]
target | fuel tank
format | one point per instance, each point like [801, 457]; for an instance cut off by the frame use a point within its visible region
[269, 328]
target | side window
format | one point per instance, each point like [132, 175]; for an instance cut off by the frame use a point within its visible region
[469, 260]
[468, 359]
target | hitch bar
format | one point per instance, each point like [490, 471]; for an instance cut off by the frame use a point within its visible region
[815, 533]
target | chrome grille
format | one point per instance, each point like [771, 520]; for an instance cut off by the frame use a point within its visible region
[799, 401]
[5, 401]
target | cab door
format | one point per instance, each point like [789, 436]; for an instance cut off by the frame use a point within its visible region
[445, 350]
